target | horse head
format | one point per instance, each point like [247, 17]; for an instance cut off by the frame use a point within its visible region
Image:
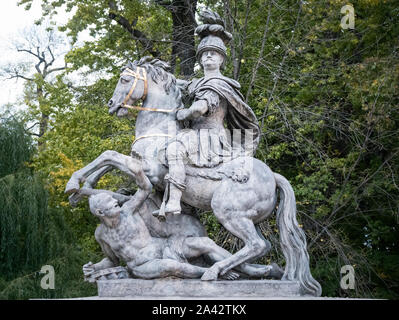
[146, 79]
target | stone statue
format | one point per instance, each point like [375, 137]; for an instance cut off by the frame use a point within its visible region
[215, 98]
[168, 158]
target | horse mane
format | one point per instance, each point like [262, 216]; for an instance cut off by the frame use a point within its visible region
[158, 69]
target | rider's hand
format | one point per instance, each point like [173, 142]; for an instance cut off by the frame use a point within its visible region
[182, 114]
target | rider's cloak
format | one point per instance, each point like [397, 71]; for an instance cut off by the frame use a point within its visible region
[239, 114]
[210, 147]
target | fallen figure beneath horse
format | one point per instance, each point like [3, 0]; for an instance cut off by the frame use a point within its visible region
[124, 236]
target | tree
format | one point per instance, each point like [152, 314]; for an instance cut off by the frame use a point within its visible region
[32, 233]
[183, 18]
[42, 47]
[325, 101]
[170, 37]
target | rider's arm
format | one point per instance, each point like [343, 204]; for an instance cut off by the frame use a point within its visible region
[182, 84]
[205, 101]
[198, 108]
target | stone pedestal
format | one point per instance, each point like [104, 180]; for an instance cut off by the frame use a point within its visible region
[172, 287]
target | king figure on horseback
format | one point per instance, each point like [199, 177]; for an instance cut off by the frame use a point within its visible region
[217, 107]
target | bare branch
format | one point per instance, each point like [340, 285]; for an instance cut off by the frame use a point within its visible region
[52, 57]
[33, 125]
[30, 52]
[19, 76]
[255, 69]
[55, 69]
[37, 67]
[278, 74]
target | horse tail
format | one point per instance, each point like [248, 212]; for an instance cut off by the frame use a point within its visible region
[293, 241]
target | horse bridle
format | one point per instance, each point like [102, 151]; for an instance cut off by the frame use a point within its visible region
[138, 76]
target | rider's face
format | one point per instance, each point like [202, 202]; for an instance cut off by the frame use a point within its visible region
[211, 60]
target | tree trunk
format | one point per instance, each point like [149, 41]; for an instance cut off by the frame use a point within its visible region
[183, 45]
[44, 117]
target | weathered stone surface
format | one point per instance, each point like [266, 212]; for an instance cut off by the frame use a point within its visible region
[168, 138]
[170, 288]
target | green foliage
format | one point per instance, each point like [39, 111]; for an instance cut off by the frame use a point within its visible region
[331, 127]
[25, 223]
[80, 133]
[32, 233]
[327, 103]
[212, 225]
[15, 146]
[326, 100]
[68, 280]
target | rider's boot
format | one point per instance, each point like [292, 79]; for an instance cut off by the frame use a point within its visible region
[173, 205]
[175, 178]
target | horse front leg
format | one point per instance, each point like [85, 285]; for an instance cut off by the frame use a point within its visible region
[93, 179]
[132, 167]
[90, 183]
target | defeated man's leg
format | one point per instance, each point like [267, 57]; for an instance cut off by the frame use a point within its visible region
[258, 270]
[196, 246]
[160, 268]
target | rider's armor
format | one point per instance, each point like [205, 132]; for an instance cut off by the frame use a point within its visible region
[207, 141]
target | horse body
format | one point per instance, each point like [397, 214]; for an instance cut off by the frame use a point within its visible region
[240, 193]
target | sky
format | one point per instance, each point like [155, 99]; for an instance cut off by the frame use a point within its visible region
[13, 20]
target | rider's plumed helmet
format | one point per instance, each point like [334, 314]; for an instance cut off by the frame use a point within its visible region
[212, 34]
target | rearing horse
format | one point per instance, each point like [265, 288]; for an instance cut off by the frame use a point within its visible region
[241, 193]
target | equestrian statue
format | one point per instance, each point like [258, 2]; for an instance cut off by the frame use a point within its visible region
[199, 156]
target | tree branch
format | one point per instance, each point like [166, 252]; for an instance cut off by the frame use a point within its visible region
[19, 76]
[135, 33]
[30, 52]
[52, 56]
[55, 69]
[33, 125]
[256, 66]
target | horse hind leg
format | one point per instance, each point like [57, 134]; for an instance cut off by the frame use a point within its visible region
[242, 227]
[267, 242]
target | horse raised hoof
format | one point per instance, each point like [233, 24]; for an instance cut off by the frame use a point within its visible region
[74, 199]
[72, 186]
[160, 217]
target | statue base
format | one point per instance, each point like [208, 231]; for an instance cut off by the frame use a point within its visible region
[188, 288]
